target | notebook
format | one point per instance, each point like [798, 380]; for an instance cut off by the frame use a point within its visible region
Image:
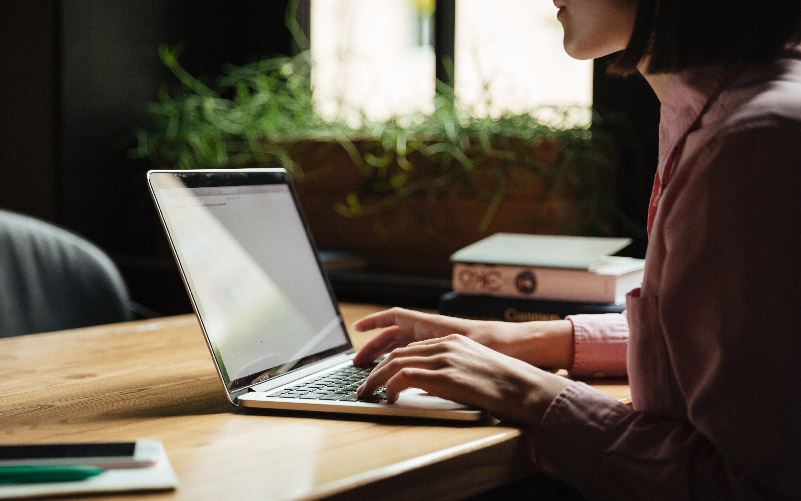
[263, 301]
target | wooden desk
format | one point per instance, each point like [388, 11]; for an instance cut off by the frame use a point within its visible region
[155, 379]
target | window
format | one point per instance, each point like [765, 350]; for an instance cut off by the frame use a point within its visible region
[376, 57]
[509, 55]
[371, 56]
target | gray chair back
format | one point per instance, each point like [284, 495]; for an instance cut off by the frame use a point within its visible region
[53, 279]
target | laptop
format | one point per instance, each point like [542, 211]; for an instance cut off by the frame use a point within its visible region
[263, 300]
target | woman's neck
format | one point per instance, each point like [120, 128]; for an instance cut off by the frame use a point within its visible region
[657, 81]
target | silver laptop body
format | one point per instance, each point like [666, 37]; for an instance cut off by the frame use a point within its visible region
[261, 296]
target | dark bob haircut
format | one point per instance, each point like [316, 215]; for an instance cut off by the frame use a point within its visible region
[675, 35]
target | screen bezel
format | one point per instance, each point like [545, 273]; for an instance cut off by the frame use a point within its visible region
[203, 178]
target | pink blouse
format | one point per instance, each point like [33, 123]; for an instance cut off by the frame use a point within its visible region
[714, 351]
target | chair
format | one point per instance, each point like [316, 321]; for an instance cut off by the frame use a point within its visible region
[53, 279]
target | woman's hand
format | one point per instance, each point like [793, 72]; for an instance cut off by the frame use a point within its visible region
[543, 344]
[460, 369]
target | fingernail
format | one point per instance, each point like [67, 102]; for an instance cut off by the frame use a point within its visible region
[360, 389]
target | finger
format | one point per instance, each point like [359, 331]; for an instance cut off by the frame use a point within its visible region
[404, 327]
[382, 343]
[435, 382]
[409, 377]
[419, 365]
[427, 348]
[375, 320]
[390, 367]
[393, 316]
[443, 340]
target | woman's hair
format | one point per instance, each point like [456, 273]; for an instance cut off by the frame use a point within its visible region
[675, 35]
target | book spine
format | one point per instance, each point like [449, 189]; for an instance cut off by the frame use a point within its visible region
[517, 310]
[554, 284]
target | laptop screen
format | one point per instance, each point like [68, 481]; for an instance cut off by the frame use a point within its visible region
[251, 271]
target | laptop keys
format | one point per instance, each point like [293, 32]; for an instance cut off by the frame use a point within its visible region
[340, 385]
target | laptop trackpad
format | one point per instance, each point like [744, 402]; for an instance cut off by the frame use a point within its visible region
[417, 398]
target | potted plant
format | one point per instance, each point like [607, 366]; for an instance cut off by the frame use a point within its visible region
[407, 191]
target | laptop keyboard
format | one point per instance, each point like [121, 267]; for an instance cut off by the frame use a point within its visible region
[339, 385]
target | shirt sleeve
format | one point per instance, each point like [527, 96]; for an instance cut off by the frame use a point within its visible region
[600, 343]
[728, 308]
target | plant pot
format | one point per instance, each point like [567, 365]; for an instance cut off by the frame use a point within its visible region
[419, 233]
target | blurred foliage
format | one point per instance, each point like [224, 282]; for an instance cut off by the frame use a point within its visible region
[255, 115]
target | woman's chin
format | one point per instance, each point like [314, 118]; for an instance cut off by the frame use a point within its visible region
[583, 51]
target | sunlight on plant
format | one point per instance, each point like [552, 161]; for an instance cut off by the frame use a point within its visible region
[255, 114]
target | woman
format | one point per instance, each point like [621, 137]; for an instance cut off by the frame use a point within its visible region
[713, 336]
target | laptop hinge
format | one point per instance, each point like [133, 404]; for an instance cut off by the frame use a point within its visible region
[303, 372]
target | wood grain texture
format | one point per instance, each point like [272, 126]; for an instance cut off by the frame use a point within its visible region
[155, 379]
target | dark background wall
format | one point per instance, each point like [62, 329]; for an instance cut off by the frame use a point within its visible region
[109, 69]
[76, 77]
[629, 112]
[28, 105]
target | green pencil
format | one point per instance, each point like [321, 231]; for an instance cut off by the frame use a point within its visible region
[46, 474]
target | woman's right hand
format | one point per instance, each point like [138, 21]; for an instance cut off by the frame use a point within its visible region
[543, 344]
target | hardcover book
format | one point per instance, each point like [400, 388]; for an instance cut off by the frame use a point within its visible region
[517, 310]
[545, 267]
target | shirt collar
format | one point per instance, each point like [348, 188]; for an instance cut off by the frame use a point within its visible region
[684, 99]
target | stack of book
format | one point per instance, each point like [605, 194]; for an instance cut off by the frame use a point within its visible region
[520, 277]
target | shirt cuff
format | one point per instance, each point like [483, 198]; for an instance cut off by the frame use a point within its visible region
[577, 429]
[600, 343]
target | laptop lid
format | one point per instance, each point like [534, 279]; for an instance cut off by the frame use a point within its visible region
[251, 271]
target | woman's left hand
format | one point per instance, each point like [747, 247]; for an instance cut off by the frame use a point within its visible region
[459, 369]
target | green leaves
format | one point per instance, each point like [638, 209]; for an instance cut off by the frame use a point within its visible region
[253, 115]
[235, 120]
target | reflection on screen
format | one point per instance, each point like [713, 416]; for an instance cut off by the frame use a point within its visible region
[254, 279]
